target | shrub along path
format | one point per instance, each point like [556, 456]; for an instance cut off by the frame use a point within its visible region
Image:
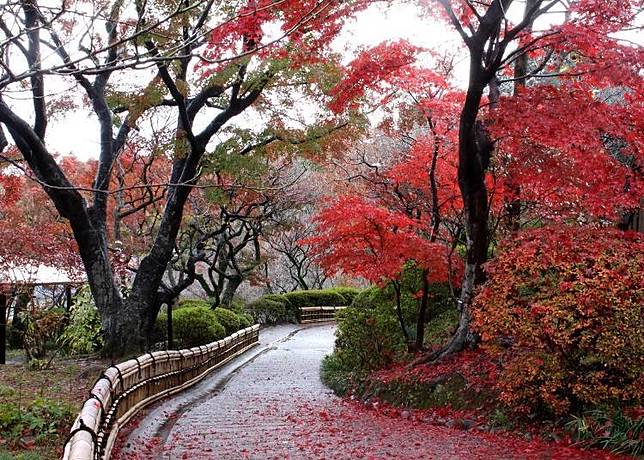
[270, 403]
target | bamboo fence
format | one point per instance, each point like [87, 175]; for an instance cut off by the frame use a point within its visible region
[126, 388]
[318, 314]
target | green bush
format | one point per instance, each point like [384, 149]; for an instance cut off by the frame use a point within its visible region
[83, 334]
[384, 300]
[237, 305]
[336, 376]
[316, 298]
[291, 311]
[193, 326]
[368, 338]
[228, 319]
[277, 308]
[268, 311]
[347, 292]
[244, 320]
[191, 303]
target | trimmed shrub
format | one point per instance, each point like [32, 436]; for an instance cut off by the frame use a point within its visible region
[237, 305]
[244, 321]
[570, 303]
[268, 311]
[190, 303]
[316, 298]
[193, 326]
[368, 335]
[228, 319]
[348, 293]
[335, 376]
[277, 308]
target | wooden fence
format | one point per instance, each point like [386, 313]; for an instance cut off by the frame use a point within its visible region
[318, 314]
[126, 388]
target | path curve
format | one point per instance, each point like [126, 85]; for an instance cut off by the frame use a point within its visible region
[270, 404]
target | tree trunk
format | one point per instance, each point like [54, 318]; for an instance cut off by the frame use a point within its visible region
[422, 313]
[116, 322]
[474, 153]
[231, 288]
[401, 319]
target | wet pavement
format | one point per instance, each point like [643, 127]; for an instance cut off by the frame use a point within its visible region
[269, 403]
[245, 402]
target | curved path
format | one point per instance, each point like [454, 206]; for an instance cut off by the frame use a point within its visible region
[270, 403]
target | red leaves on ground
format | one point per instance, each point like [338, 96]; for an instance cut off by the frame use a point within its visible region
[479, 367]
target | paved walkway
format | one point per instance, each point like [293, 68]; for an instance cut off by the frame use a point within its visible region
[270, 404]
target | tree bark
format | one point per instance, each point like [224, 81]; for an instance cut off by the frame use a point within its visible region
[399, 313]
[474, 153]
[231, 288]
[422, 313]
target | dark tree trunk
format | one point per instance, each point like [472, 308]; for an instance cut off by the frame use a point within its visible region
[124, 321]
[3, 328]
[422, 315]
[521, 72]
[474, 153]
[141, 307]
[231, 288]
[401, 319]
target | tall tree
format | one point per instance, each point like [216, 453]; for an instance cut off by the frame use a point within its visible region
[561, 143]
[201, 63]
[494, 44]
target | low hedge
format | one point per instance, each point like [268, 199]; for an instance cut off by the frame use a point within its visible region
[229, 319]
[349, 293]
[279, 308]
[268, 311]
[191, 303]
[192, 326]
[316, 298]
[245, 320]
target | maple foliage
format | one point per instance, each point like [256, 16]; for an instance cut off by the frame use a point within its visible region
[581, 155]
[375, 70]
[373, 242]
[294, 31]
[210, 63]
[31, 233]
[393, 212]
[34, 234]
[569, 300]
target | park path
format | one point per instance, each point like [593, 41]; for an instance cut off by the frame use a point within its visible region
[270, 404]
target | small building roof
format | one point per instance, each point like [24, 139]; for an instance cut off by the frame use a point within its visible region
[32, 275]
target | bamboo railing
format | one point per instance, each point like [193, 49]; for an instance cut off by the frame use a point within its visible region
[126, 388]
[318, 314]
